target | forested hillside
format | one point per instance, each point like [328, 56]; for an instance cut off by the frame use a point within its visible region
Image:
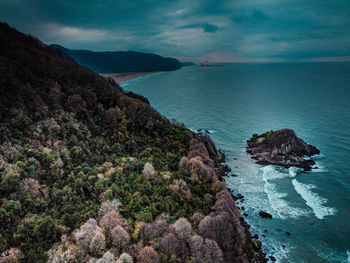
[89, 174]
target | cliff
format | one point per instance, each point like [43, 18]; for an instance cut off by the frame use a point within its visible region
[282, 148]
[120, 61]
[91, 174]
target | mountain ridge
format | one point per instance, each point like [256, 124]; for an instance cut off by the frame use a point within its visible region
[120, 61]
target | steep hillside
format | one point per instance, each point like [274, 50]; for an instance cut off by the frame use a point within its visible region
[120, 61]
[90, 174]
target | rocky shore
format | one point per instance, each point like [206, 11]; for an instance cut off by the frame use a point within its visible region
[282, 148]
[224, 224]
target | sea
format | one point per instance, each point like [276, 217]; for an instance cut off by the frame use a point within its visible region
[231, 102]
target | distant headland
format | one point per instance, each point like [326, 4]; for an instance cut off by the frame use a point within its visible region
[120, 61]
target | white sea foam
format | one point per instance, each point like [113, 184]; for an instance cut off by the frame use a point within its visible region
[331, 255]
[318, 156]
[320, 167]
[293, 171]
[202, 130]
[313, 200]
[280, 207]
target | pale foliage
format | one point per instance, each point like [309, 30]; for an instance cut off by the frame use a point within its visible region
[109, 206]
[148, 255]
[182, 229]
[120, 237]
[148, 170]
[125, 258]
[108, 257]
[205, 250]
[98, 243]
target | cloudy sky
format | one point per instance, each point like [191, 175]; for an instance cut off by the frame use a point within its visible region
[236, 30]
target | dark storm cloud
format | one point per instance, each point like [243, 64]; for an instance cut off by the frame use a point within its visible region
[210, 28]
[243, 30]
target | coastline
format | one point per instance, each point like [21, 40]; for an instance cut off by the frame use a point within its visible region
[122, 77]
[224, 224]
[238, 244]
[204, 159]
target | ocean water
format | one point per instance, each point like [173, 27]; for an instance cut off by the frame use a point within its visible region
[237, 100]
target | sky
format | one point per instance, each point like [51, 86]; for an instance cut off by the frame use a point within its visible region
[225, 31]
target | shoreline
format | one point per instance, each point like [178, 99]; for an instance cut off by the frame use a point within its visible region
[122, 77]
[238, 244]
[249, 245]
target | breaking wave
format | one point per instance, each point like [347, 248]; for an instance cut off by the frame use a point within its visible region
[313, 200]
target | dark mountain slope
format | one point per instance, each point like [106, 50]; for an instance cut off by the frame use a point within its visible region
[89, 173]
[59, 122]
[120, 61]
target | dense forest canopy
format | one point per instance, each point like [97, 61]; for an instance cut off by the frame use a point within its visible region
[90, 174]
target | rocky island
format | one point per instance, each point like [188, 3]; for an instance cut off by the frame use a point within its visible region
[282, 148]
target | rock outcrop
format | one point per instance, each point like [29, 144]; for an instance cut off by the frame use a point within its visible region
[224, 224]
[282, 148]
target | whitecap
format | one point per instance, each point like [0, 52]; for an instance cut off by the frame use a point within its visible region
[313, 200]
[320, 167]
[280, 207]
[318, 156]
[293, 171]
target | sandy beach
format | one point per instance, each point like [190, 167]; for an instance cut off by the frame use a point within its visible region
[121, 77]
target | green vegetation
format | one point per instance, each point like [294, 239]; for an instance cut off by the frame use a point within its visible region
[71, 141]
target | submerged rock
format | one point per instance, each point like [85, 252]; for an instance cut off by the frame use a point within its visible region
[264, 214]
[282, 148]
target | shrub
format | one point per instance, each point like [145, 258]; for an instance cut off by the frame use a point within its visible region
[108, 206]
[34, 188]
[148, 255]
[182, 229]
[45, 229]
[120, 237]
[125, 258]
[169, 244]
[9, 182]
[135, 234]
[108, 257]
[148, 170]
[98, 243]
[154, 229]
[12, 255]
[84, 236]
[111, 220]
[205, 250]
